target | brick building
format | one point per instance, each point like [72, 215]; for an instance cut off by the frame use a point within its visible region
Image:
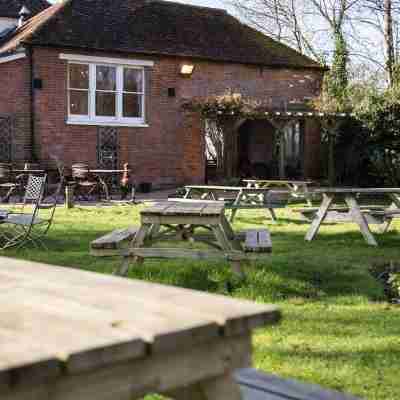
[103, 81]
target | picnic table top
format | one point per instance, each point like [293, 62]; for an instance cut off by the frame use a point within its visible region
[94, 321]
[177, 208]
[108, 171]
[278, 181]
[225, 188]
[28, 171]
[356, 190]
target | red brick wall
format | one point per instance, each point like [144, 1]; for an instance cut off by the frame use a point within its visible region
[15, 102]
[171, 149]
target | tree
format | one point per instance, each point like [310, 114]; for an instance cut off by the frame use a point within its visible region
[379, 17]
[310, 26]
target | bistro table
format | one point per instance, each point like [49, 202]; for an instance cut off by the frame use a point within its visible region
[68, 334]
[355, 213]
[297, 188]
[177, 220]
[100, 174]
[236, 197]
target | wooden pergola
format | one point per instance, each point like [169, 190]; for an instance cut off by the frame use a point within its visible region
[280, 120]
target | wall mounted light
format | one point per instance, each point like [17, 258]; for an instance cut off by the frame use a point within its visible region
[187, 69]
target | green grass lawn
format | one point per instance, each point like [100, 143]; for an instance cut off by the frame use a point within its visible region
[337, 330]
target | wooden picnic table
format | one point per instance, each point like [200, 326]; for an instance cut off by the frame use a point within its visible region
[298, 188]
[73, 334]
[236, 197]
[180, 221]
[354, 212]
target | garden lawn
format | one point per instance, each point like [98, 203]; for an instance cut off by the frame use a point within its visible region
[337, 330]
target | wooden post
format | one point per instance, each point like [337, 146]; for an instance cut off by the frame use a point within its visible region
[231, 153]
[331, 159]
[331, 126]
[282, 166]
[69, 196]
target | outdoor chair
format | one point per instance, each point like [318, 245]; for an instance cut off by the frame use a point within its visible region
[85, 183]
[9, 184]
[19, 229]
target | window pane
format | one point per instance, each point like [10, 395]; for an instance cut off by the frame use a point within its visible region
[105, 78]
[78, 102]
[132, 107]
[133, 80]
[105, 104]
[79, 76]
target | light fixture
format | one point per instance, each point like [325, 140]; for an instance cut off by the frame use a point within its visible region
[187, 69]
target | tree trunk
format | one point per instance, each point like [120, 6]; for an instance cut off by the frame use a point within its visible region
[389, 42]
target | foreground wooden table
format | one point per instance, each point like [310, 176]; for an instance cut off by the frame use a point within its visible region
[69, 334]
[355, 213]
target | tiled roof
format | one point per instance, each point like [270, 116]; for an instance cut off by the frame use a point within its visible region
[155, 27]
[11, 8]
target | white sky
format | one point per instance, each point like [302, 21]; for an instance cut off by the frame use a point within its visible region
[207, 3]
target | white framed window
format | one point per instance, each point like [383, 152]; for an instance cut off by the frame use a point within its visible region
[106, 93]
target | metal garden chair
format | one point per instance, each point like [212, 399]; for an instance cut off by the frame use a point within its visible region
[24, 228]
[9, 184]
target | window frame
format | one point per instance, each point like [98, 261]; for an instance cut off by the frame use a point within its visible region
[118, 120]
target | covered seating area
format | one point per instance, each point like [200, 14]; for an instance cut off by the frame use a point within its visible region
[277, 144]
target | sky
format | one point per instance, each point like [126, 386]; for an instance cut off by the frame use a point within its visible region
[207, 3]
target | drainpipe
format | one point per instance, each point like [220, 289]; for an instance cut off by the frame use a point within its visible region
[32, 101]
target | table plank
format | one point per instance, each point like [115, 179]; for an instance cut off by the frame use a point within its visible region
[174, 304]
[23, 361]
[277, 181]
[81, 337]
[149, 322]
[187, 208]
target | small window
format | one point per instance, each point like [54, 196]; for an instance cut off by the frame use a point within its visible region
[133, 94]
[79, 89]
[106, 94]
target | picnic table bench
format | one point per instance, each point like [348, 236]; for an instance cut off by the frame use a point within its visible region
[353, 212]
[256, 385]
[73, 334]
[239, 198]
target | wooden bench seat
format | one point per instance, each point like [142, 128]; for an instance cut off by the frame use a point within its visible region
[386, 213]
[309, 210]
[255, 385]
[257, 241]
[374, 215]
[112, 243]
